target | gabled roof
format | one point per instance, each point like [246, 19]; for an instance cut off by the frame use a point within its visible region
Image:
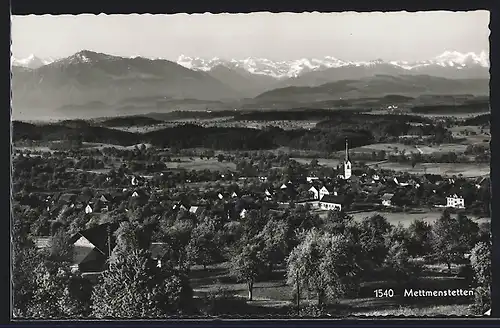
[196, 209]
[83, 247]
[98, 236]
[331, 199]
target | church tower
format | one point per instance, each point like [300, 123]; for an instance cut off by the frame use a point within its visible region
[347, 162]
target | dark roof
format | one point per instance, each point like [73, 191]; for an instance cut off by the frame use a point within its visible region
[98, 236]
[67, 197]
[332, 199]
[402, 179]
[84, 198]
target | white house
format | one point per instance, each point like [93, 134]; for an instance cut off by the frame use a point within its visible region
[330, 202]
[455, 201]
[234, 194]
[283, 186]
[387, 199]
[315, 192]
[88, 209]
[243, 213]
[324, 191]
[220, 196]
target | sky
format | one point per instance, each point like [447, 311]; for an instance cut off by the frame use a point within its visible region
[283, 36]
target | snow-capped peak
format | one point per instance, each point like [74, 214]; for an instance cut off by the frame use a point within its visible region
[263, 66]
[294, 68]
[31, 61]
[455, 58]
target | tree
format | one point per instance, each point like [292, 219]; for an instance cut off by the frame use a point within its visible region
[446, 239]
[468, 232]
[277, 244]
[134, 287]
[399, 263]
[59, 293]
[322, 263]
[481, 264]
[204, 246]
[420, 238]
[248, 263]
[372, 239]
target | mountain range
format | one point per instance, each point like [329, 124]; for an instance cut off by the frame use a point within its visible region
[296, 68]
[89, 77]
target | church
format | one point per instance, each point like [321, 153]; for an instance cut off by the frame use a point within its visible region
[345, 170]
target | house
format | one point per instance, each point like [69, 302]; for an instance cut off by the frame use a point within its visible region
[181, 206]
[88, 209]
[92, 247]
[455, 201]
[314, 204]
[220, 196]
[326, 191]
[243, 213]
[402, 181]
[234, 194]
[263, 178]
[315, 192]
[331, 202]
[196, 209]
[104, 199]
[387, 199]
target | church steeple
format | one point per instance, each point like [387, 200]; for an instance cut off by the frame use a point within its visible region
[347, 162]
[346, 151]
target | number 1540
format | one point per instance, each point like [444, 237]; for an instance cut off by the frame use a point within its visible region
[383, 293]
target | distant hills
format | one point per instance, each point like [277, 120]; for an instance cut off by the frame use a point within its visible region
[90, 81]
[379, 86]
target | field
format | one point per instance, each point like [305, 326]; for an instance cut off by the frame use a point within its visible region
[196, 163]
[472, 134]
[406, 219]
[394, 148]
[275, 295]
[468, 170]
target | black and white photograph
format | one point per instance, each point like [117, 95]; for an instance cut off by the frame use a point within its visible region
[251, 166]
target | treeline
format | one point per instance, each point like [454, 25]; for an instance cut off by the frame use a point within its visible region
[54, 132]
[328, 136]
[126, 121]
[484, 119]
[471, 107]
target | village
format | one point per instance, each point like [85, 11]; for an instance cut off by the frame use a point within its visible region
[100, 197]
